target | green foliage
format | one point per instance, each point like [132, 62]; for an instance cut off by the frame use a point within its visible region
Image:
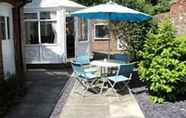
[9, 90]
[132, 36]
[163, 67]
[141, 5]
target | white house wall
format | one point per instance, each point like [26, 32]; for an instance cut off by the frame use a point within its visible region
[55, 53]
[83, 47]
[8, 52]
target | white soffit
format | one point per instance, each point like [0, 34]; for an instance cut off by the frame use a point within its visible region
[53, 4]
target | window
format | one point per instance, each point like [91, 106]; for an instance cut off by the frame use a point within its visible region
[101, 31]
[48, 33]
[47, 15]
[8, 27]
[40, 28]
[30, 15]
[31, 32]
[4, 28]
[83, 30]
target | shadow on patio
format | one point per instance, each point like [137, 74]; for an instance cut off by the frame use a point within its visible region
[45, 86]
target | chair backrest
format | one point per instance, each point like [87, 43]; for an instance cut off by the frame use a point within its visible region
[125, 69]
[121, 57]
[77, 68]
[82, 59]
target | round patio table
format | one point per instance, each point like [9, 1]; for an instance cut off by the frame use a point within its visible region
[106, 63]
[104, 66]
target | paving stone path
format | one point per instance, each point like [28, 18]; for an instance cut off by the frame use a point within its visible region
[44, 90]
[100, 106]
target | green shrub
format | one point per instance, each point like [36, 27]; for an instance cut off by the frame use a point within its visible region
[163, 67]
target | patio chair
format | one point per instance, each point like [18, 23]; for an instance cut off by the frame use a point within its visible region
[120, 57]
[84, 60]
[86, 79]
[123, 75]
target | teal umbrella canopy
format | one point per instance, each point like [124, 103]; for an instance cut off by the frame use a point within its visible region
[112, 11]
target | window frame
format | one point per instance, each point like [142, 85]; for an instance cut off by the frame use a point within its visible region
[80, 30]
[98, 38]
[39, 20]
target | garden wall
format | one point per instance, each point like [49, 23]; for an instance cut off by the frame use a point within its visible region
[178, 15]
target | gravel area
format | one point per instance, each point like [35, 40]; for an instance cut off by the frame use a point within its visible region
[165, 110]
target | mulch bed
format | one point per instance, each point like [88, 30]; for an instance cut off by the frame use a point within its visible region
[165, 110]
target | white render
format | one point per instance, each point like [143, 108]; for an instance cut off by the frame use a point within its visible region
[52, 4]
[54, 53]
[8, 52]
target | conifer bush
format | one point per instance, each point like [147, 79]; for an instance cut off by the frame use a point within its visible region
[163, 67]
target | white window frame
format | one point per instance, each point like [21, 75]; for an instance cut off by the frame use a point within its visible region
[38, 20]
[79, 31]
[98, 38]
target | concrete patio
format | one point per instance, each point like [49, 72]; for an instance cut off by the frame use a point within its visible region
[100, 106]
[45, 86]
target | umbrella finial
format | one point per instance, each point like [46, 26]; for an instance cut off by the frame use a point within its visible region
[110, 2]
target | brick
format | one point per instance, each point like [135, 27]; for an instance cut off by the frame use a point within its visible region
[178, 15]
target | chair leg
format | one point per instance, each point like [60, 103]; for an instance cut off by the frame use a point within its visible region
[113, 89]
[126, 85]
[102, 87]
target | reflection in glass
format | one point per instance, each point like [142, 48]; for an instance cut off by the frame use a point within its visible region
[83, 30]
[31, 32]
[8, 27]
[30, 15]
[47, 15]
[102, 31]
[2, 28]
[48, 32]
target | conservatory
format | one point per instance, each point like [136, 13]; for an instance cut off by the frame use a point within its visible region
[51, 34]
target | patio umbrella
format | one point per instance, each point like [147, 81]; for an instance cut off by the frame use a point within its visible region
[113, 12]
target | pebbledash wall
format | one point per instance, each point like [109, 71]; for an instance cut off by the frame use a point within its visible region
[178, 15]
[17, 4]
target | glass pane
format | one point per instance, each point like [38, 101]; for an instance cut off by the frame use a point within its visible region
[47, 15]
[31, 32]
[30, 15]
[83, 30]
[8, 27]
[2, 28]
[102, 31]
[48, 32]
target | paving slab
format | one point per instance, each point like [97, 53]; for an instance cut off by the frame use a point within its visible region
[44, 90]
[101, 106]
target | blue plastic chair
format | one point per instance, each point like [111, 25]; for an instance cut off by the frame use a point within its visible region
[121, 57]
[82, 60]
[123, 75]
[86, 79]
[85, 61]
